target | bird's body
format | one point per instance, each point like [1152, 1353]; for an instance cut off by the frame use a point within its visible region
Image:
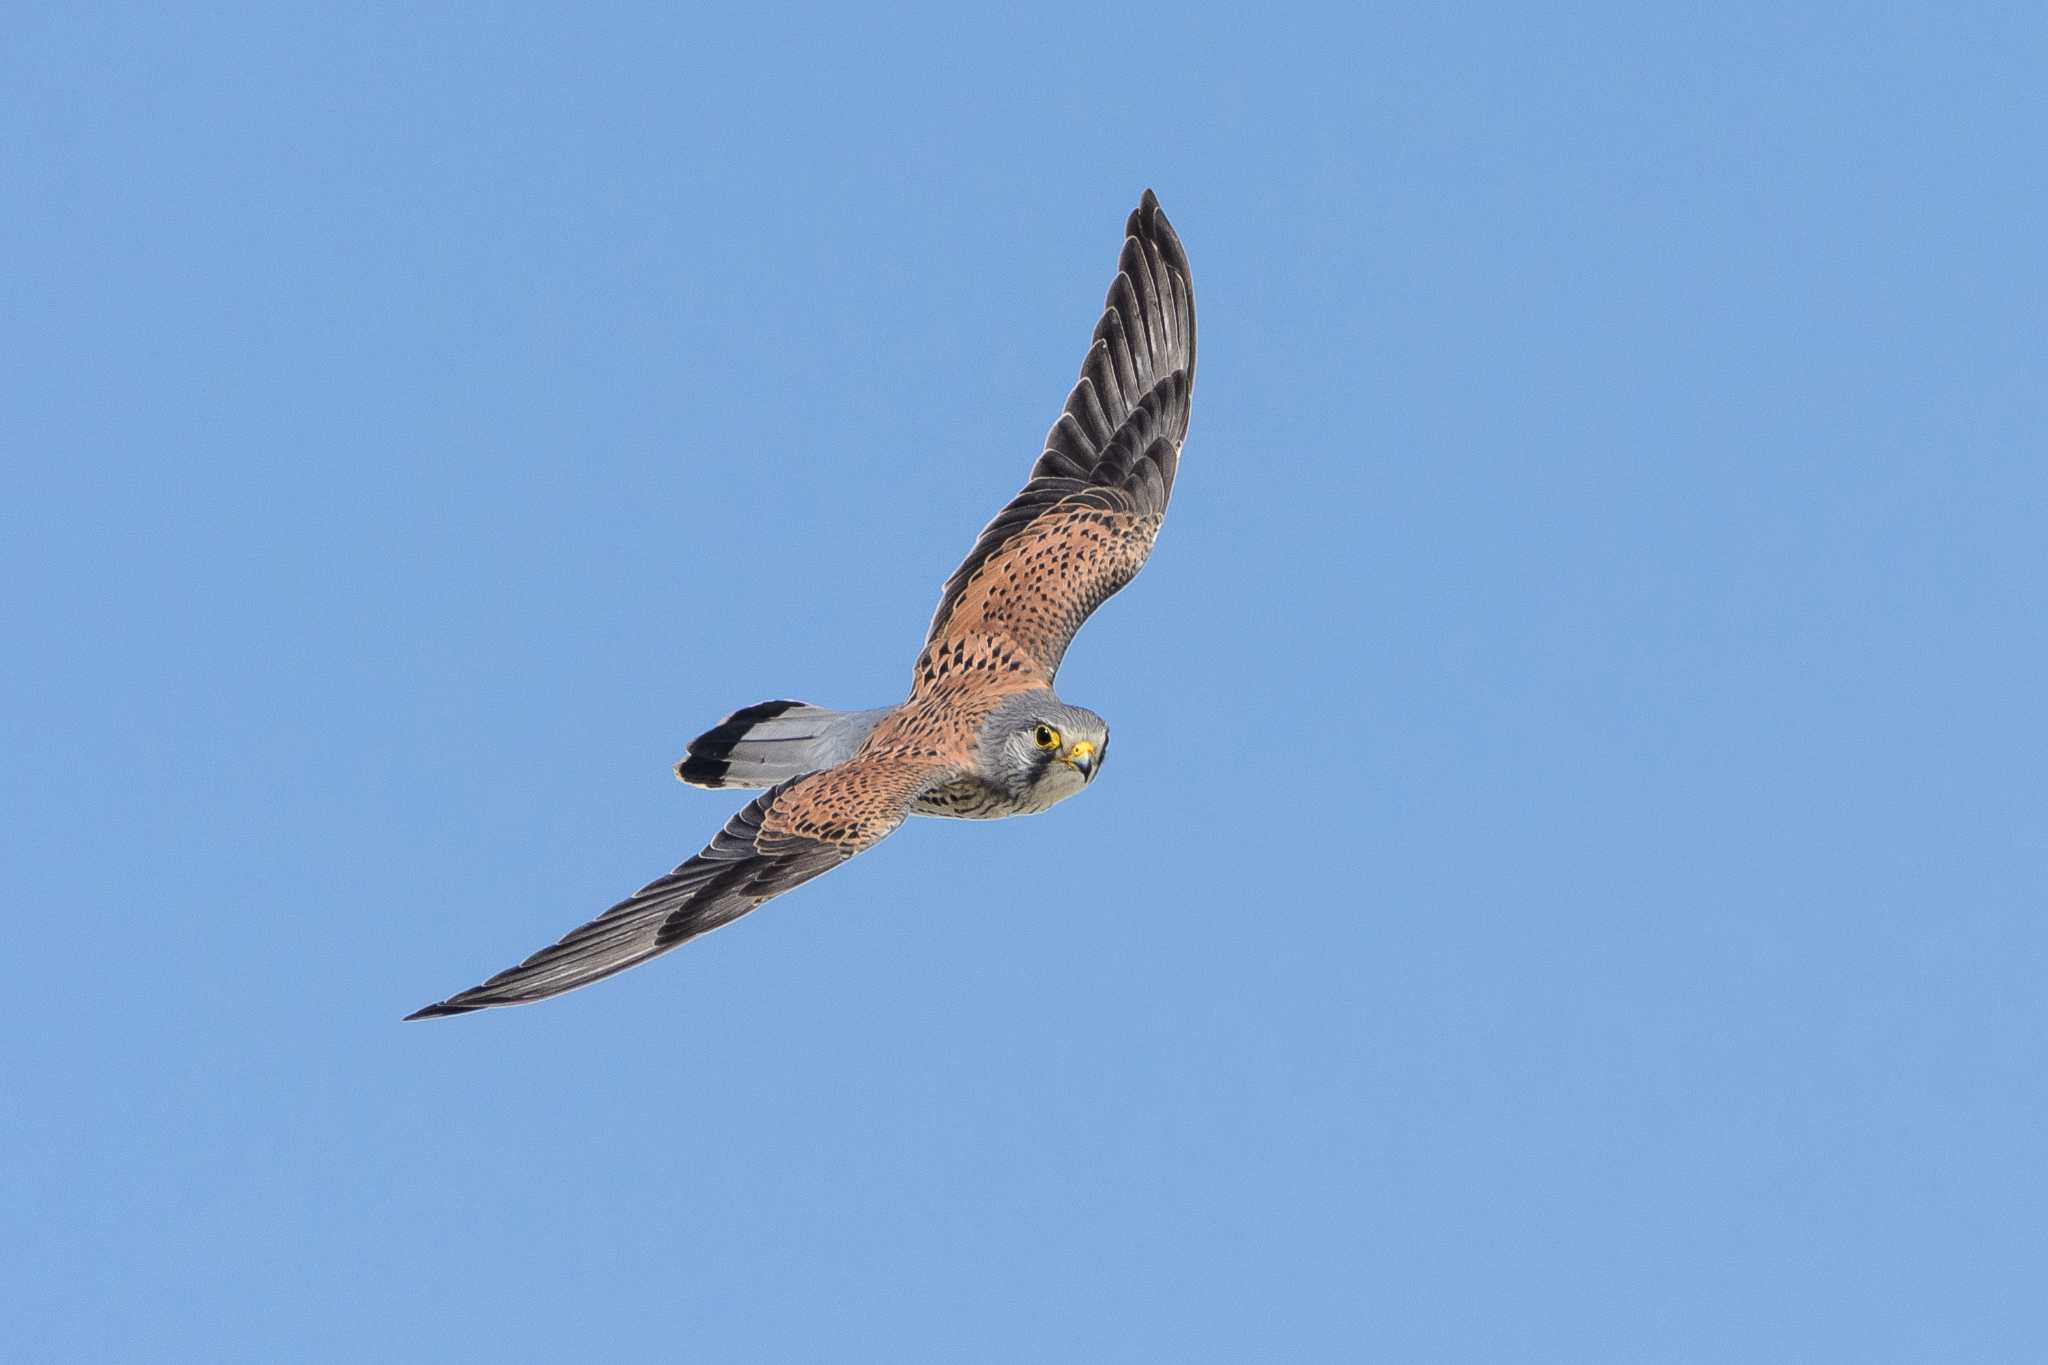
[982, 734]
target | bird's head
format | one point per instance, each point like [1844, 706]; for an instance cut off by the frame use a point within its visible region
[1040, 749]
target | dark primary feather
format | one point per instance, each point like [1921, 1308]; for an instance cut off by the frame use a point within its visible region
[1128, 414]
[738, 870]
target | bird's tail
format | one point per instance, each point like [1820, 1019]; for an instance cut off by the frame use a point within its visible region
[758, 746]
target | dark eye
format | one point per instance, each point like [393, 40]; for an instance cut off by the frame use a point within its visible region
[1047, 737]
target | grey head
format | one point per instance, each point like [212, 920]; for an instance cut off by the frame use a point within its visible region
[1037, 750]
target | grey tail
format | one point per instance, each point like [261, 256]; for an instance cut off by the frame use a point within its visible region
[758, 746]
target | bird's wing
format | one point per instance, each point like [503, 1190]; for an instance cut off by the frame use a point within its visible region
[1083, 524]
[783, 838]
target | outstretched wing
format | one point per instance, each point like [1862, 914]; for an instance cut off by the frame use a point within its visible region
[1084, 523]
[783, 838]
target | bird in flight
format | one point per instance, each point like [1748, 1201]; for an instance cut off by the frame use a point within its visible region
[982, 734]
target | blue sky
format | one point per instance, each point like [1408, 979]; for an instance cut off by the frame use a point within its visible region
[1570, 881]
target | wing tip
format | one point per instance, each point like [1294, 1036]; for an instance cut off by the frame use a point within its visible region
[1149, 221]
[1149, 224]
[440, 1009]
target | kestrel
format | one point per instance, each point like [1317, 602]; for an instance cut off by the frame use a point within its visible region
[982, 734]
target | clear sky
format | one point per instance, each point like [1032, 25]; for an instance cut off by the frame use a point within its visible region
[1570, 880]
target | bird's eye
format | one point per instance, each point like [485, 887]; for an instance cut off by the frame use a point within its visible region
[1047, 737]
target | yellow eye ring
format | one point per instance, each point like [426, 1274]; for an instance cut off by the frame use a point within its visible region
[1047, 737]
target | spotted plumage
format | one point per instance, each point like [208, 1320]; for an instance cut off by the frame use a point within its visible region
[981, 735]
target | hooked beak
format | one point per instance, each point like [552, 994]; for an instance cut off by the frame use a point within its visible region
[1081, 758]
